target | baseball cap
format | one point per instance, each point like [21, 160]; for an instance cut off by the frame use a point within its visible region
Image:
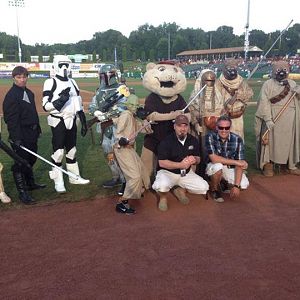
[182, 119]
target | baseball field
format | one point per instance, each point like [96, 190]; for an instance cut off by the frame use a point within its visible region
[75, 246]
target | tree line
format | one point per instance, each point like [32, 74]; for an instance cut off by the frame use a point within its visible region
[153, 43]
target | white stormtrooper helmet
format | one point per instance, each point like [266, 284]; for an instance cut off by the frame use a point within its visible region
[62, 65]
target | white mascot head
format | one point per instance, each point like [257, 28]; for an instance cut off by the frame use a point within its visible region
[62, 65]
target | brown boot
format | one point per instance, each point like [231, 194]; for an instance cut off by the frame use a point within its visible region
[181, 195]
[163, 202]
[268, 170]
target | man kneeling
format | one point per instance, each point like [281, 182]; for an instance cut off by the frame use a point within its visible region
[177, 153]
[227, 163]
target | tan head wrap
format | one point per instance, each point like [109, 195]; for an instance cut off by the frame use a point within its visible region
[279, 65]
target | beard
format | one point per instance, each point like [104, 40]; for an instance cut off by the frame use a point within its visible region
[181, 136]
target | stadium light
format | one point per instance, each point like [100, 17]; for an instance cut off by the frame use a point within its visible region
[246, 43]
[17, 4]
[169, 46]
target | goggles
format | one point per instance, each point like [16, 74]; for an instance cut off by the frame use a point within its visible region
[60, 65]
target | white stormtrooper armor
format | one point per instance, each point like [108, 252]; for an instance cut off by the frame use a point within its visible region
[62, 101]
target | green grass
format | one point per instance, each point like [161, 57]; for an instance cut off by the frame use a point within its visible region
[90, 157]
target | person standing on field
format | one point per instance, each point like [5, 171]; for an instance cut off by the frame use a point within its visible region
[24, 129]
[279, 96]
[62, 101]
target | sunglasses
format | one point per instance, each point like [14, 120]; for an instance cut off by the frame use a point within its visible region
[224, 128]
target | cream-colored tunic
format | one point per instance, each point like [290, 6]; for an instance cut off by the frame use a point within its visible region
[129, 161]
[284, 138]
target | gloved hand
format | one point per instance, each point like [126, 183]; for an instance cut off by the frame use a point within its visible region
[17, 143]
[176, 113]
[100, 115]
[123, 141]
[82, 119]
[63, 98]
[141, 113]
[270, 124]
[296, 89]
[65, 93]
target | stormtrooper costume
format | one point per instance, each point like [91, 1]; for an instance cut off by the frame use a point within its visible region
[62, 101]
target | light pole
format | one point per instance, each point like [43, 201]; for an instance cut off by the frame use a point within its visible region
[17, 4]
[169, 46]
[116, 58]
[246, 43]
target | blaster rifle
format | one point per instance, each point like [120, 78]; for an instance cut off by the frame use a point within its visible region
[110, 101]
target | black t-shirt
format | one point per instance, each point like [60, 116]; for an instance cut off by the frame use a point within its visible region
[153, 103]
[171, 149]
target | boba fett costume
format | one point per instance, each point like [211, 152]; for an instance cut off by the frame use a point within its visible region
[108, 87]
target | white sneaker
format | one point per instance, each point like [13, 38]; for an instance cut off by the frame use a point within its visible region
[4, 198]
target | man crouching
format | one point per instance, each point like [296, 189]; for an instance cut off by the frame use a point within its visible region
[177, 153]
[227, 162]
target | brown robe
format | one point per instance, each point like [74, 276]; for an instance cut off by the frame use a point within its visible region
[128, 159]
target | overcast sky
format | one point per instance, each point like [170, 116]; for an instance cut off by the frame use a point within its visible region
[69, 21]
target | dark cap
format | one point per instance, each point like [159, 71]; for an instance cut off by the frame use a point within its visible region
[182, 119]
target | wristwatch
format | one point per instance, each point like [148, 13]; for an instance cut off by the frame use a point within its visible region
[237, 186]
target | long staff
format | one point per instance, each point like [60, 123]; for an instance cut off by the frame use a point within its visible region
[76, 177]
[265, 55]
[233, 99]
[198, 94]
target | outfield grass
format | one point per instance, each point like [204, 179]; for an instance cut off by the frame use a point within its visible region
[90, 157]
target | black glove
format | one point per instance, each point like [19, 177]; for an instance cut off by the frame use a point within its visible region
[141, 113]
[17, 143]
[63, 98]
[82, 119]
[123, 141]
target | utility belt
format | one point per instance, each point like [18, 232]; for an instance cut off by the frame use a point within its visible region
[281, 95]
[128, 146]
[61, 118]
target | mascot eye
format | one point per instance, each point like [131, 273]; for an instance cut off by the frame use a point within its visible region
[161, 68]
